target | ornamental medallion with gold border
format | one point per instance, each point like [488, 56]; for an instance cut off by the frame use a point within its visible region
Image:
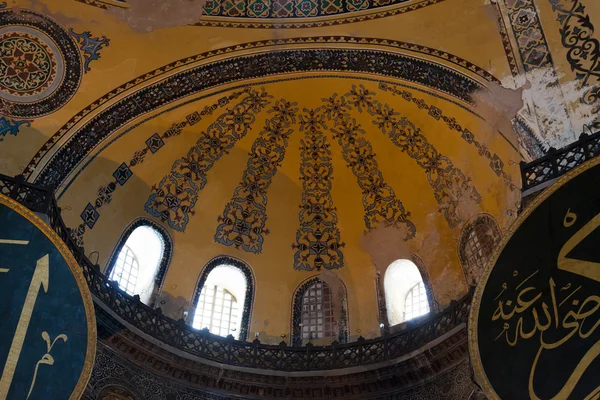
[40, 64]
[535, 318]
[48, 329]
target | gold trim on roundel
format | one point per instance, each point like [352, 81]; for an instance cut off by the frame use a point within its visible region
[480, 375]
[86, 296]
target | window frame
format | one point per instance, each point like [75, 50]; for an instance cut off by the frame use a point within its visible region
[468, 266]
[296, 329]
[244, 327]
[135, 264]
[382, 300]
[165, 262]
[418, 286]
[214, 303]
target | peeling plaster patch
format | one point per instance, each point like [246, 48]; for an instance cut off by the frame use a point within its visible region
[544, 110]
[61, 18]
[498, 105]
[450, 283]
[148, 15]
[385, 244]
[467, 204]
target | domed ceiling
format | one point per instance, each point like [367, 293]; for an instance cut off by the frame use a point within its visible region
[307, 138]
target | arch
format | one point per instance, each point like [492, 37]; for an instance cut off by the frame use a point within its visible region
[164, 258]
[405, 286]
[454, 77]
[115, 392]
[247, 292]
[339, 310]
[477, 241]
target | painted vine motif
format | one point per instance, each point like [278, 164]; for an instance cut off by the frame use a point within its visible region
[124, 172]
[174, 198]
[243, 221]
[318, 240]
[318, 244]
[583, 49]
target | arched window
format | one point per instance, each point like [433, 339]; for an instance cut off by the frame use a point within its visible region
[406, 294]
[476, 245]
[140, 260]
[115, 393]
[315, 316]
[223, 298]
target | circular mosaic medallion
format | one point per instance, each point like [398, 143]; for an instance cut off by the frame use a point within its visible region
[40, 65]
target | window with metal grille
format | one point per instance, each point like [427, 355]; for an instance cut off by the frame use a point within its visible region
[477, 245]
[317, 312]
[416, 303]
[126, 270]
[406, 294]
[217, 310]
[142, 254]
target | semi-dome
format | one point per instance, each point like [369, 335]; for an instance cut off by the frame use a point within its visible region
[261, 191]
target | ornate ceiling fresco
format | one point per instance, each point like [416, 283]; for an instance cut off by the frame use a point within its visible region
[304, 137]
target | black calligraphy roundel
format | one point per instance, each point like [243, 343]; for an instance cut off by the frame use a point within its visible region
[534, 328]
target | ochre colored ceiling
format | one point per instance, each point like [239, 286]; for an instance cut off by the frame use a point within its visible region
[232, 129]
[434, 179]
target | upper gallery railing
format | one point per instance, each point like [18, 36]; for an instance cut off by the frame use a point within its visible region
[558, 162]
[226, 350]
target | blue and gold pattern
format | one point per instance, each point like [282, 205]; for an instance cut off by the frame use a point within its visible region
[122, 174]
[203, 77]
[318, 243]
[583, 49]
[318, 240]
[250, 13]
[243, 221]
[49, 70]
[9, 126]
[496, 164]
[174, 198]
[48, 330]
[379, 199]
[448, 182]
[90, 46]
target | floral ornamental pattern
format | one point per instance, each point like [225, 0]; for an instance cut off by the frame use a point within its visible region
[496, 163]
[529, 35]
[318, 243]
[90, 46]
[201, 78]
[27, 65]
[8, 126]
[243, 221]
[122, 174]
[448, 182]
[583, 49]
[40, 67]
[379, 199]
[174, 198]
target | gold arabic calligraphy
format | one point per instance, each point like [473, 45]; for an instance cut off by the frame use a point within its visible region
[39, 281]
[551, 325]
